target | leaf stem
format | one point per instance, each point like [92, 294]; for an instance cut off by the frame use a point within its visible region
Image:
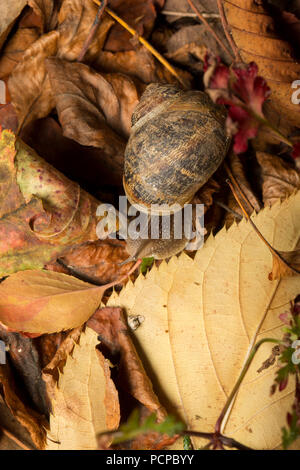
[240, 379]
[227, 441]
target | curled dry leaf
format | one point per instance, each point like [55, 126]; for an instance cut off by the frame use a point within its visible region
[199, 336]
[29, 84]
[254, 33]
[46, 301]
[24, 357]
[41, 210]
[9, 12]
[111, 325]
[85, 401]
[138, 14]
[15, 48]
[91, 106]
[290, 266]
[47, 10]
[47, 346]
[75, 19]
[279, 180]
[35, 423]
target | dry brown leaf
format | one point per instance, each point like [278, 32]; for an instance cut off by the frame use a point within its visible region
[91, 106]
[85, 401]
[99, 260]
[75, 19]
[188, 46]
[25, 361]
[110, 324]
[54, 367]
[29, 84]
[254, 33]
[21, 439]
[279, 180]
[201, 317]
[139, 14]
[139, 64]
[8, 117]
[237, 169]
[14, 50]
[46, 302]
[9, 12]
[48, 345]
[47, 10]
[34, 422]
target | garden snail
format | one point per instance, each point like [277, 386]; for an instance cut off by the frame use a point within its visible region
[177, 141]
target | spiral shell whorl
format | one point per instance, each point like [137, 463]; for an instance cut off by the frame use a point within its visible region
[177, 142]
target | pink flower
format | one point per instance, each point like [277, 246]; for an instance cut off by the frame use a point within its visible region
[243, 92]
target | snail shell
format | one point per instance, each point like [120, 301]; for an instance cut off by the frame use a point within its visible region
[177, 141]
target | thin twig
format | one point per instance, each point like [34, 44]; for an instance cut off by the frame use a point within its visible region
[240, 380]
[210, 29]
[145, 43]
[227, 32]
[188, 14]
[236, 214]
[234, 180]
[93, 30]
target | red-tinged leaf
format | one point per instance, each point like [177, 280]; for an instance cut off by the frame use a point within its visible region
[246, 128]
[251, 89]
[243, 92]
[216, 73]
[41, 211]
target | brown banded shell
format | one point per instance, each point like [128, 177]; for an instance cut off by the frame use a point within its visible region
[177, 142]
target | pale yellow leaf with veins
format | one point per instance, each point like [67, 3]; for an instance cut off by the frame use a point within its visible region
[203, 315]
[86, 400]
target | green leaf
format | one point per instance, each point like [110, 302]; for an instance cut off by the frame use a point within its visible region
[132, 428]
[146, 264]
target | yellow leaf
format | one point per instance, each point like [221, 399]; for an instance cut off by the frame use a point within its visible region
[86, 400]
[201, 318]
[46, 301]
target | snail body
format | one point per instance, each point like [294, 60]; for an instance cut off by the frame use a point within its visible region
[177, 141]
